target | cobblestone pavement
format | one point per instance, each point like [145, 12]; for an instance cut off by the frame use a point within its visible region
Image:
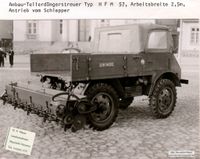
[135, 134]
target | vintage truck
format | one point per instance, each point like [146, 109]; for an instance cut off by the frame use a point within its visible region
[126, 61]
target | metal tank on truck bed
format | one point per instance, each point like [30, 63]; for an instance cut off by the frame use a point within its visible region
[127, 61]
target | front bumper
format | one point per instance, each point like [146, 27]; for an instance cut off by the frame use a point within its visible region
[184, 81]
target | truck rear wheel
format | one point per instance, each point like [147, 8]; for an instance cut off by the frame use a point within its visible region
[106, 99]
[163, 99]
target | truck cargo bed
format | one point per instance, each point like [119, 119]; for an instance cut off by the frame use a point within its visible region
[82, 67]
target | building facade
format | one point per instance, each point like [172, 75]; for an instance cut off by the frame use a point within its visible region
[55, 35]
[43, 35]
[189, 37]
[6, 33]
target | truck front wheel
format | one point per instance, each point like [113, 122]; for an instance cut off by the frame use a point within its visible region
[106, 99]
[163, 99]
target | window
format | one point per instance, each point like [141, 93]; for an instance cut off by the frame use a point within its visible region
[31, 29]
[84, 30]
[194, 37]
[61, 26]
[157, 40]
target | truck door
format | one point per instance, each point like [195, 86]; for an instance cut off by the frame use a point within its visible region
[135, 64]
[158, 52]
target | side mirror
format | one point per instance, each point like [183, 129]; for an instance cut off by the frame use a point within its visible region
[175, 37]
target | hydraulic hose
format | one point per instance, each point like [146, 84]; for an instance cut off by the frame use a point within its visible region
[65, 93]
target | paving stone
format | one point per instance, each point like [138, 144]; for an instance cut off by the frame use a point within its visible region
[85, 155]
[112, 151]
[141, 156]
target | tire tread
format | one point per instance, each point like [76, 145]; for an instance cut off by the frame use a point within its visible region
[106, 88]
[153, 98]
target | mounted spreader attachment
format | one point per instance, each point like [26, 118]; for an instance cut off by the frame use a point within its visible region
[66, 108]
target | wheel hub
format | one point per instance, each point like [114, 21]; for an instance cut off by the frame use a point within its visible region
[165, 99]
[104, 103]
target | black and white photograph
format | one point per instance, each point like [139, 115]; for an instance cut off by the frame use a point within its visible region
[100, 88]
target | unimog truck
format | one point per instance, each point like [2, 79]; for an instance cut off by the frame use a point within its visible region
[126, 61]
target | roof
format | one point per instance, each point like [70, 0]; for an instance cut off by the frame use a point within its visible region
[136, 37]
[144, 26]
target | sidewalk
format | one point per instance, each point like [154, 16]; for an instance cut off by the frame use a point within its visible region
[21, 62]
[189, 64]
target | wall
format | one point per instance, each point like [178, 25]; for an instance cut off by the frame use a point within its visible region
[22, 45]
[44, 28]
[186, 34]
[189, 54]
[44, 31]
[73, 30]
[6, 29]
[19, 30]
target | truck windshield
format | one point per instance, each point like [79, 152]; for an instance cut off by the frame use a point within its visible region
[157, 40]
[118, 41]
